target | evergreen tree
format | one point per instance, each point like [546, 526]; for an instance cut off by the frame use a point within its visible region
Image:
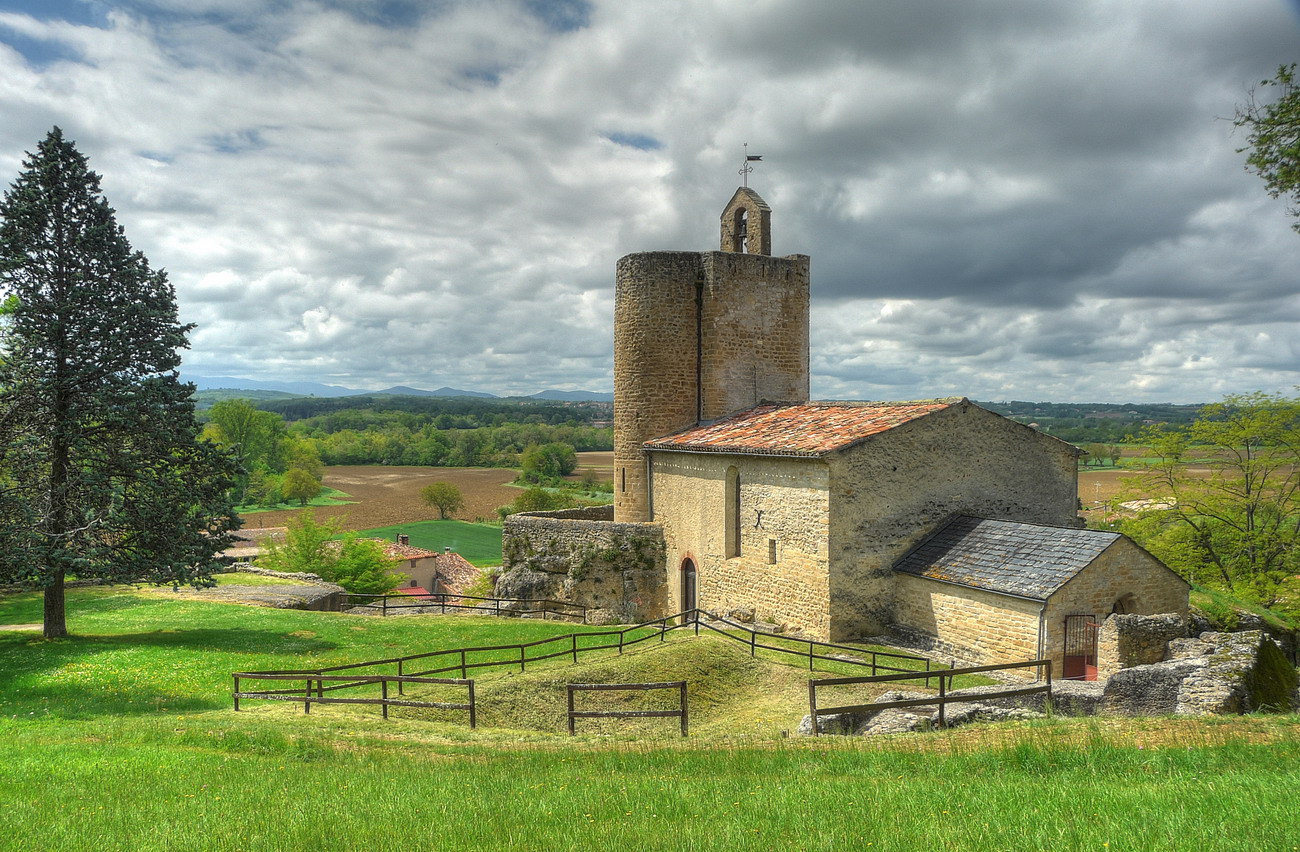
[101, 470]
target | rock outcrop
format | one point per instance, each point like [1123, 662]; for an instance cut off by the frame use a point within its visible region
[1214, 674]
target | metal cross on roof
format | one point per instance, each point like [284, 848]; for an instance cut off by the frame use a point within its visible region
[746, 168]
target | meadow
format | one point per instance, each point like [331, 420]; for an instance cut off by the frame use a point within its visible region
[478, 543]
[123, 737]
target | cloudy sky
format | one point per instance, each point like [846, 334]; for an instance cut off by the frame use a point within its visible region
[1003, 200]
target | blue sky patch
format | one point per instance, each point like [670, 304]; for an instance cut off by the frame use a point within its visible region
[561, 16]
[42, 53]
[236, 143]
[640, 141]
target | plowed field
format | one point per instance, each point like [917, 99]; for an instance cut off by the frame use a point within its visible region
[391, 495]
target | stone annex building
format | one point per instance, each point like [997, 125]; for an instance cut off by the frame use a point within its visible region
[735, 493]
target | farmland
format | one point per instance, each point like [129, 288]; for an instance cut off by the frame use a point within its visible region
[387, 495]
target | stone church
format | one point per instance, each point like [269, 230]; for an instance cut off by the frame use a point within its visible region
[838, 520]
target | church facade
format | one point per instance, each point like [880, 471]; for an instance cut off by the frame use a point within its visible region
[835, 519]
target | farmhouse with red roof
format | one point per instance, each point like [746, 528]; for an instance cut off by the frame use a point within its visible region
[937, 517]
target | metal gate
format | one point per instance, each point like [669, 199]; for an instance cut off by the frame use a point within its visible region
[1080, 647]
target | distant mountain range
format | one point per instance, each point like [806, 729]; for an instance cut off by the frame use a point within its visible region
[318, 389]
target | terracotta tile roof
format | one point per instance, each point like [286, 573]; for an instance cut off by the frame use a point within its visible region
[805, 429]
[393, 550]
[1025, 560]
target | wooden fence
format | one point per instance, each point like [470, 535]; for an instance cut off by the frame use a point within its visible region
[943, 699]
[314, 689]
[444, 601]
[425, 667]
[680, 712]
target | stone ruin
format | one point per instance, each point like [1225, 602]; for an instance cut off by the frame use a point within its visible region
[1157, 669]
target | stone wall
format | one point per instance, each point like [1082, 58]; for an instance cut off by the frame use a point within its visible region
[1128, 640]
[1123, 570]
[893, 489]
[754, 332]
[1216, 673]
[781, 572]
[973, 626]
[698, 336]
[583, 556]
[656, 362]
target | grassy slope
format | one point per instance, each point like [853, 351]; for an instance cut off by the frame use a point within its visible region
[478, 543]
[123, 738]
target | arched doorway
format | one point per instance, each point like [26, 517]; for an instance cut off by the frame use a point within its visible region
[688, 585]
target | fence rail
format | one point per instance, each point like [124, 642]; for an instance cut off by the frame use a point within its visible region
[680, 712]
[943, 699]
[314, 689]
[446, 601]
[425, 667]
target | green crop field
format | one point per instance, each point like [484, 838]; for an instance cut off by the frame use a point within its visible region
[478, 543]
[123, 738]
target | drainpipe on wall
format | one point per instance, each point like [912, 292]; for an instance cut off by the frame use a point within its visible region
[1042, 635]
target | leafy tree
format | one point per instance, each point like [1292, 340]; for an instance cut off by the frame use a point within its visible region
[1274, 140]
[361, 566]
[536, 499]
[309, 547]
[300, 485]
[444, 496]
[256, 436]
[547, 462]
[1238, 527]
[302, 453]
[104, 475]
[305, 546]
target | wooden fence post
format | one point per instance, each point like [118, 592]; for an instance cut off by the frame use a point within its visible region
[522, 660]
[383, 693]
[812, 708]
[463, 670]
[473, 712]
[236, 693]
[570, 709]
[942, 702]
[684, 725]
[574, 637]
[306, 701]
[401, 690]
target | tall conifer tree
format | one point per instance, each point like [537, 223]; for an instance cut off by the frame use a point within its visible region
[102, 473]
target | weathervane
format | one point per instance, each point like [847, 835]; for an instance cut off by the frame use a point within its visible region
[747, 168]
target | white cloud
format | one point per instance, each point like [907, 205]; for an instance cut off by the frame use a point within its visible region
[1000, 199]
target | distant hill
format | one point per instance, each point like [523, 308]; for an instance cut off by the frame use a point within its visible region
[574, 396]
[205, 383]
[205, 399]
[402, 390]
[291, 388]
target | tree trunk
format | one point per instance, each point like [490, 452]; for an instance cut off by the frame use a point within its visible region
[56, 622]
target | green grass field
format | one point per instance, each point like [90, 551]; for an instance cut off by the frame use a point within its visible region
[123, 738]
[478, 543]
[327, 497]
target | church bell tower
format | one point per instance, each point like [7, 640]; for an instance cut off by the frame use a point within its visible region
[701, 335]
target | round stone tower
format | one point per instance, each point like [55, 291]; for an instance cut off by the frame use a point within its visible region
[701, 335]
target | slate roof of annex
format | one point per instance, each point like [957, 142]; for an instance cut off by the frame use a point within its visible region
[1026, 560]
[803, 429]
